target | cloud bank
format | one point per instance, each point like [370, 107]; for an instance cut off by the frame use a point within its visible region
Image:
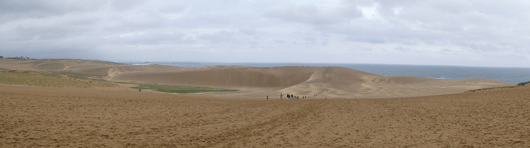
[437, 32]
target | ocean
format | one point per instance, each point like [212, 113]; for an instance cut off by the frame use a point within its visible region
[510, 75]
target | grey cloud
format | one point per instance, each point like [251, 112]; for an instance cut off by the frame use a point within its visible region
[13, 9]
[43, 33]
[401, 48]
[174, 8]
[278, 41]
[218, 37]
[368, 39]
[232, 2]
[450, 28]
[150, 38]
[56, 29]
[312, 14]
[447, 13]
[248, 31]
[146, 20]
[437, 22]
[199, 19]
[49, 50]
[140, 22]
[125, 4]
[452, 6]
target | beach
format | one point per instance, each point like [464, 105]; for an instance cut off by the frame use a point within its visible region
[361, 109]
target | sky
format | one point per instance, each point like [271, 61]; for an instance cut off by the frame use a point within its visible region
[489, 33]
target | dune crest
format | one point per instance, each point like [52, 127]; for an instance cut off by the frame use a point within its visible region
[223, 77]
[314, 82]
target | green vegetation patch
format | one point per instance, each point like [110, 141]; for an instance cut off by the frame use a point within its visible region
[179, 89]
[122, 83]
[497, 88]
[34, 78]
[493, 88]
[19, 58]
[523, 83]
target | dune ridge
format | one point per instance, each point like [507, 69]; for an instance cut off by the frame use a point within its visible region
[315, 82]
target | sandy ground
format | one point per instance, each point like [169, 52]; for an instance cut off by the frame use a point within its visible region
[75, 117]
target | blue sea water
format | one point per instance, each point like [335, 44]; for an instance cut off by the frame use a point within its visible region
[510, 75]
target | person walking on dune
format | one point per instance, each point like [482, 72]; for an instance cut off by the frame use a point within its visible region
[281, 96]
[267, 97]
[288, 96]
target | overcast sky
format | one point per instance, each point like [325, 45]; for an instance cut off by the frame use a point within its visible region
[492, 33]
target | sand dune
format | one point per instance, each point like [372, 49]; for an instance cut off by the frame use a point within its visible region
[324, 82]
[335, 82]
[226, 77]
[34, 116]
[50, 66]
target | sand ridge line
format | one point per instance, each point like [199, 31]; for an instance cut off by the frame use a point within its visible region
[332, 82]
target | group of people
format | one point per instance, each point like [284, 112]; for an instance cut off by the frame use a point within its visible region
[289, 97]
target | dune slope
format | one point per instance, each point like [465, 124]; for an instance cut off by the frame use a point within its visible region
[227, 77]
[317, 82]
[336, 82]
